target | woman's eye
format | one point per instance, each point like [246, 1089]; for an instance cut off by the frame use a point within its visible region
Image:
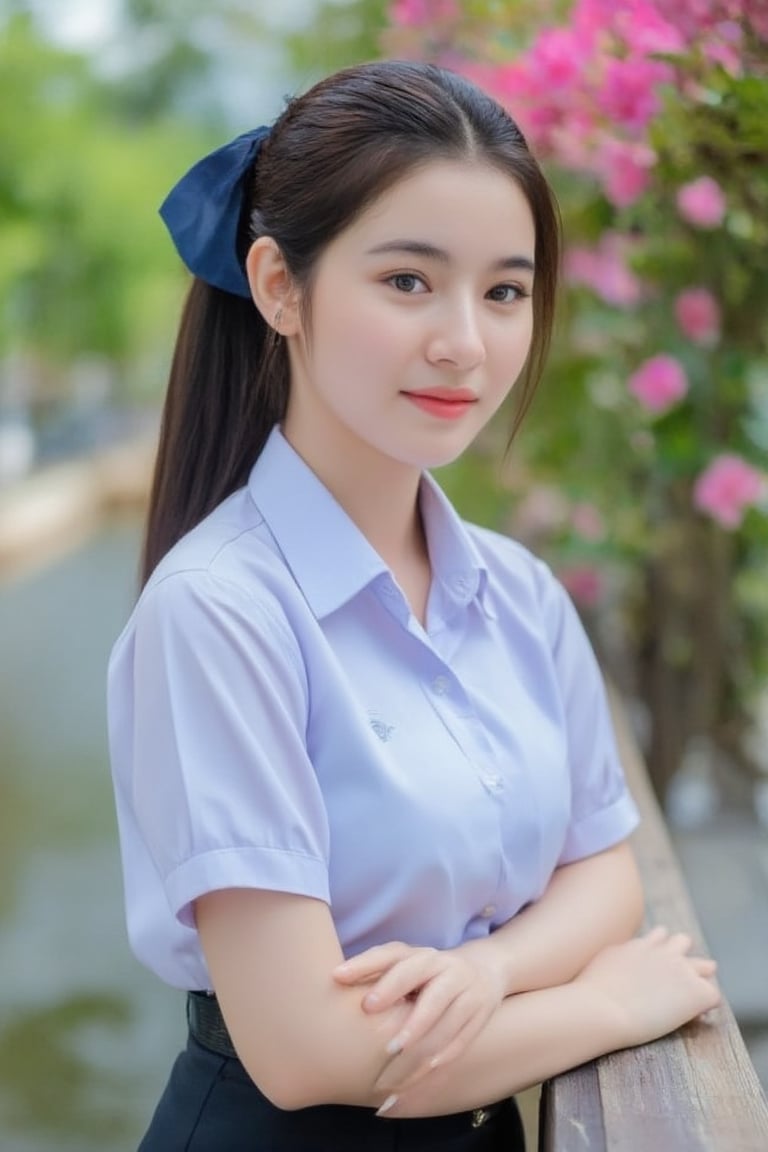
[407, 282]
[506, 293]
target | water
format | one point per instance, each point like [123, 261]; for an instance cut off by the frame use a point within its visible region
[86, 1036]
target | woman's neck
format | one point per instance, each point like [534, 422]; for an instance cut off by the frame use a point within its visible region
[380, 495]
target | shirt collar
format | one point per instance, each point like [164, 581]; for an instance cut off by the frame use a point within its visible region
[457, 564]
[327, 554]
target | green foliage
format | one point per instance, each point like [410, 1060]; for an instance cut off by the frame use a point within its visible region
[342, 32]
[169, 64]
[86, 267]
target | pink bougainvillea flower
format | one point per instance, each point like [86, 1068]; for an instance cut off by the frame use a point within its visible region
[556, 57]
[572, 141]
[724, 47]
[629, 92]
[584, 583]
[659, 383]
[416, 13]
[542, 510]
[624, 169]
[605, 270]
[757, 15]
[587, 521]
[726, 488]
[698, 314]
[702, 202]
[703, 19]
[645, 29]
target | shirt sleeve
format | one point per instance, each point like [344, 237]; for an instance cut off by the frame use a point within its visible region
[223, 791]
[602, 810]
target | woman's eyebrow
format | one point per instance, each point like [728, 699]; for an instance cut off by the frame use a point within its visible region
[430, 252]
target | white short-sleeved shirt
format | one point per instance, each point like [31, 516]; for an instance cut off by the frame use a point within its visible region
[279, 719]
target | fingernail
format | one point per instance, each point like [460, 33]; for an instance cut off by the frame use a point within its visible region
[342, 968]
[434, 1062]
[371, 999]
[396, 1045]
[388, 1103]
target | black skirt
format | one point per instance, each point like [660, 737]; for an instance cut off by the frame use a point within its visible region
[211, 1105]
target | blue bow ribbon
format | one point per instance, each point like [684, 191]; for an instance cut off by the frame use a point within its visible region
[202, 212]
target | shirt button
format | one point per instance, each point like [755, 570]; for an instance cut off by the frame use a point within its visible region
[441, 685]
[494, 783]
[488, 911]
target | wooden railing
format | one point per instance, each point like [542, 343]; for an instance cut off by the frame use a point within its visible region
[694, 1091]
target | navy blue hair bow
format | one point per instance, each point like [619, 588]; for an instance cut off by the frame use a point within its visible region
[202, 212]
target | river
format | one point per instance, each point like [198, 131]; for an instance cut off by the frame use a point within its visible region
[86, 1036]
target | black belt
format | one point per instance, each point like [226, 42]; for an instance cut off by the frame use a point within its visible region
[206, 1024]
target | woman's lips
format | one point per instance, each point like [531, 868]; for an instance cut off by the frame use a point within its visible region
[446, 406]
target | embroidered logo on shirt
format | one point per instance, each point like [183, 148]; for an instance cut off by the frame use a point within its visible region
[381, 728]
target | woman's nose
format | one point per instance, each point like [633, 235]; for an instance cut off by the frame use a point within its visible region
[456, 339]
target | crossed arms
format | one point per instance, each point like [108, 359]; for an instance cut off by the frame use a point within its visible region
[561, 983]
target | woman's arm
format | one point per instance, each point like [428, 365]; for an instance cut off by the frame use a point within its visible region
[587, 906]
[303, 1039]
[630, 994]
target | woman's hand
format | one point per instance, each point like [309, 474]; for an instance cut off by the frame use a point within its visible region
[652, 984]
[454, 993]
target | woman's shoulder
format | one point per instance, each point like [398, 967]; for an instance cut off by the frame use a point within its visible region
[216, 544]
[227, 568]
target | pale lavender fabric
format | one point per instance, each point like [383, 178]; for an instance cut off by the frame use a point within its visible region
[279, 720]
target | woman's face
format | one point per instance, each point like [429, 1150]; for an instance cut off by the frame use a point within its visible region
[421, 320]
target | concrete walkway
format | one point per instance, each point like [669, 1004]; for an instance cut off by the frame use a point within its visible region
[54, 509]
[726, 869]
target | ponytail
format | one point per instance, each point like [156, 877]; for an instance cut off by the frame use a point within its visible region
[228, 387]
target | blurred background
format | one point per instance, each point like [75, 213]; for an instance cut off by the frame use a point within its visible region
[640, 473]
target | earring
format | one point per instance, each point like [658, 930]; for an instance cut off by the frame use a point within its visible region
[277, 322]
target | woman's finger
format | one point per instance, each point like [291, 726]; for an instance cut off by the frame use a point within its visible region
[681, 942]
[461, 1041]
[371, 963]
[402, 979]
[417, 1061]
[431, 1005]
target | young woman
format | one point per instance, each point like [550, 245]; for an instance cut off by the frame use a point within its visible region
[343, 722]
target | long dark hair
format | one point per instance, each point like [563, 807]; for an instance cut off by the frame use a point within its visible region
[330, 154]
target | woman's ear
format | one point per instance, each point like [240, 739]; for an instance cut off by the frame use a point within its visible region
[272, 289]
